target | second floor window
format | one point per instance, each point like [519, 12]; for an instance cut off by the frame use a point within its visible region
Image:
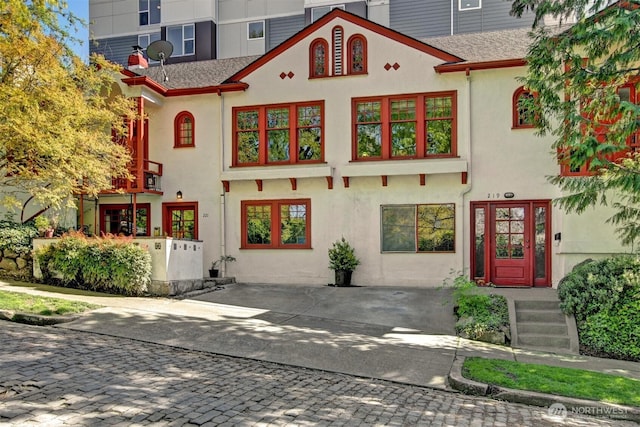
[357, 51]
[406, 126]
[184, 126]
[523, 116]
[319, 60]
[278, 134]
[149, 12]
[183, 39]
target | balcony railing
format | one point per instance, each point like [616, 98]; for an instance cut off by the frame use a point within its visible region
[150, 176]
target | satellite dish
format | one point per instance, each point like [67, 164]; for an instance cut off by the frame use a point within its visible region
[160, 50]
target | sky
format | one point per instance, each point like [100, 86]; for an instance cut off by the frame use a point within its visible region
[80, 8]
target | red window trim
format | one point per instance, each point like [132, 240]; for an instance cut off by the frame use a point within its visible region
[167, 207]
[516, 110]
[177, 123]
[421, 149]
[633, 141]
[275, 223]
[262, 134]
[104, 207]
[312, 59]
[352, 39]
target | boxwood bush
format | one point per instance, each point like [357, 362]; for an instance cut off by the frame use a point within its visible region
[604, 297]
[107, 264]
[16, 237]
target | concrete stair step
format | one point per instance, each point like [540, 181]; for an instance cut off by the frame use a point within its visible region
[540, 316]
[539, 328]
[545, 341]
[537, 305]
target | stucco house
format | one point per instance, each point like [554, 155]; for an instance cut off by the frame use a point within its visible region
[416, 151]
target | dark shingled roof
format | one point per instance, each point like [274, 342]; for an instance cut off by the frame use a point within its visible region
[472, 47]
[197, 74]
[484, 47]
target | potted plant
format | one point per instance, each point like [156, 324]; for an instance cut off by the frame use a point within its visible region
[213, 271]
[43, 224]
[343, 260]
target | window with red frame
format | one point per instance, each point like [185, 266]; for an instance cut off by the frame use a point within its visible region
[523, 117]
[357, 52]
[276, 224]
[405, 126]
[319, 59]
[626, 93]
[278, 134]
[184, 128]
[180, 220]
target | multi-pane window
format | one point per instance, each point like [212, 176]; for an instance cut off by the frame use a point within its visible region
[319, 66]
[183, 39]
[118, 219]
[144, 40]
[410, 126]
[418, 228]
[184, 126]
[149, 12]
[181, 220]
[523, 115]
[357, 51]
[276, 224]
[255, 30]
[278, 134]
[319, 12]
[599, 129]
[469, 4]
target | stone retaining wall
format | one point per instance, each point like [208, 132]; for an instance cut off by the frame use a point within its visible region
[15, 266]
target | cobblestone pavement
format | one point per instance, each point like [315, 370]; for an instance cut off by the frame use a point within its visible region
[51, 376]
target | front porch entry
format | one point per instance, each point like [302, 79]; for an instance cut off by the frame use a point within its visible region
[512, 242]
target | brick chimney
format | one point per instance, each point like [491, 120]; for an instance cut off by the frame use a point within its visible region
[136, 60]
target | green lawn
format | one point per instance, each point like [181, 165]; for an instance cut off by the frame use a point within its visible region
[554, 380]
[33, 304]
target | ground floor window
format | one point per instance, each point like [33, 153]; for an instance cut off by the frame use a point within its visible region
[276, 224]
[418, 228]
[118, 219]
[181, 220]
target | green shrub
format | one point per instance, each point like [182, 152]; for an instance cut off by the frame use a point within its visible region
[16, 237]
[110, 264]
[478, 313]
[596, 286]
[614, 333]
[604, 297]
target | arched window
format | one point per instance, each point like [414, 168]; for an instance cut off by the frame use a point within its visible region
[337, 51]
[184, 130]
[357, 54]
[523, 116]
[319, 60]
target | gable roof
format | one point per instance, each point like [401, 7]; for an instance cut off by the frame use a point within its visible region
[355, 19]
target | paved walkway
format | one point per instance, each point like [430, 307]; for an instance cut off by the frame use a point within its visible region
[399, 334]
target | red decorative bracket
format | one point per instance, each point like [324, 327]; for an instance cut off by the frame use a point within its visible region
[464, 177]
[423, 178]
[227, 186]
[384, 180]
[345, 181]
[329, 182]
[259, 184]
[294, 183]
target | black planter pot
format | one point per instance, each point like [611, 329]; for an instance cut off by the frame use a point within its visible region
[343, 277]
[213, 272]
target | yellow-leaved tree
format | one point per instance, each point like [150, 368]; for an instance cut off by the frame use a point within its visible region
[56, 111]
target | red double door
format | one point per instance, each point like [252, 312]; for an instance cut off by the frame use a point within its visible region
[512, 243]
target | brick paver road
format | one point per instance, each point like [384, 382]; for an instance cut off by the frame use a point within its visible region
[51, 376]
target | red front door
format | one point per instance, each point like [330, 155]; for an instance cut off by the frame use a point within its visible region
[511, 242]
[510, 245]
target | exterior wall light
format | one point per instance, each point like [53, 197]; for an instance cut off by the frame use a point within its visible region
[179, 195]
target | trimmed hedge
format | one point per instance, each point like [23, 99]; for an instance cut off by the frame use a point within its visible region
[107, 264]
[604, 297]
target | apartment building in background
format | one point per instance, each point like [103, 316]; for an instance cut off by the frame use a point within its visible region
[217, 29]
